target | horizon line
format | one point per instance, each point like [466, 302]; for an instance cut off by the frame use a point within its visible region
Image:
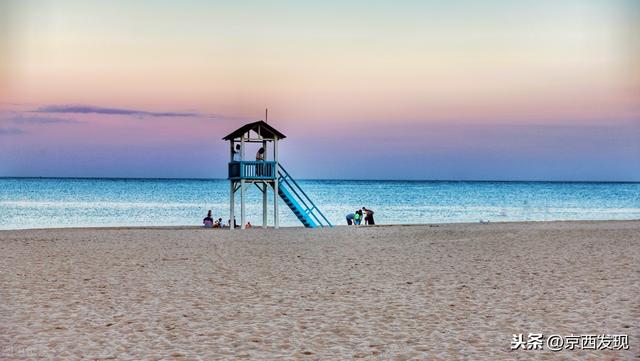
[329, 179]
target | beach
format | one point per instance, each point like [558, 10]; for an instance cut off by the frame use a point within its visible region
[424, 292]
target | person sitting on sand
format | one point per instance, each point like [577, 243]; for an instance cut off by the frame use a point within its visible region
[350, 218]
[248, 225]
[208, 221]
[368, 218]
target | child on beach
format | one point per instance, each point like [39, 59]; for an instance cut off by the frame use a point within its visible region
[357, 219]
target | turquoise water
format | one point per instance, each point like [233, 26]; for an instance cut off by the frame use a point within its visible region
[50, 202]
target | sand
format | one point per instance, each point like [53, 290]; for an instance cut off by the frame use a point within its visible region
[455, 291]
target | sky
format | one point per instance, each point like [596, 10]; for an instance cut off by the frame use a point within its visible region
[448, 90]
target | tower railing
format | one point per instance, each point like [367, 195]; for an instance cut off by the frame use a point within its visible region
[252, 170]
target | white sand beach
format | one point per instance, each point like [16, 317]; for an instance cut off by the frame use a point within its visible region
[447, 292]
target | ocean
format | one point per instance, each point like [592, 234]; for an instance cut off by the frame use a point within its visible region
[69, 202]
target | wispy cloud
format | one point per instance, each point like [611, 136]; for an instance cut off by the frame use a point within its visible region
[21, 119]
[11, 131]
[88, 109]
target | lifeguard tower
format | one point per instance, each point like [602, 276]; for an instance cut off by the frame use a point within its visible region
[266, 174]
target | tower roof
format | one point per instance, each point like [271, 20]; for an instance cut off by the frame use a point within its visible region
[260, 127]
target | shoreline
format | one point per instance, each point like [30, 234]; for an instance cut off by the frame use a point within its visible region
[258, 227]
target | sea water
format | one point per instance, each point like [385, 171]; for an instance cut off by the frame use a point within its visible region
[65, 202]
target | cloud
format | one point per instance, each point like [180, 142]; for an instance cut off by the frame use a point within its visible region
[42, 120]
[88, 109]
[11, 131]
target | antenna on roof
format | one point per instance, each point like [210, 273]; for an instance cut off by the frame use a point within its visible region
[266, 115]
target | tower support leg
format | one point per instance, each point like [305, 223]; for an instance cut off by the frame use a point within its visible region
[232, 204]
[276, 217]
[264, 204]
[242, 207]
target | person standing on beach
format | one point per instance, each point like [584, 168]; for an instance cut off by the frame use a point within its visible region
[368, 218]
[350, 218]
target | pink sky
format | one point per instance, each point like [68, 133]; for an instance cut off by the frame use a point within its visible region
[534, 90]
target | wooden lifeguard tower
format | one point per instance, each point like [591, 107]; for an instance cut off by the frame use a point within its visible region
[264, 174]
